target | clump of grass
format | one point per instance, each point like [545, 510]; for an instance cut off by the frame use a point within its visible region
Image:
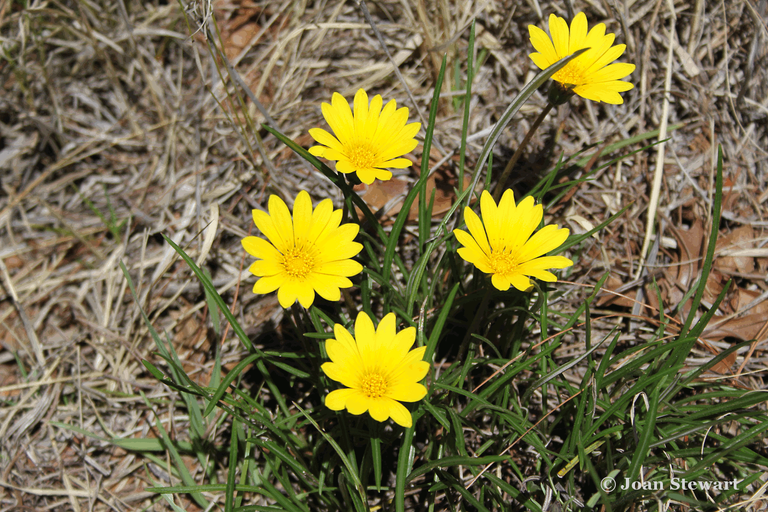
[533, 398]
[506, 420]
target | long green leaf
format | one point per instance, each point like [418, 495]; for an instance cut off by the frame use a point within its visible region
[229, 493]
[402, 216]
[449, 462]
[525, 93]
[231, 376]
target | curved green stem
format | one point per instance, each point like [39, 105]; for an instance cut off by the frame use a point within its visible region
[519, 152]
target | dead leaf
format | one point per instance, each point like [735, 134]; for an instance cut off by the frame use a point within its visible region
[390, 194]
[740, 238]
[606, 298]
[742, 328]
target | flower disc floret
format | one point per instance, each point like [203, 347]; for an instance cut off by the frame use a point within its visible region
[504, 245]
[368, 142]
[305, 253]
[378, 369]
[592, 75]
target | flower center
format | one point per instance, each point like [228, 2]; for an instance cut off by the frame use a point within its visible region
[361, 155]
[571, 74]
[374, 385]
[298, 262]
[503, 263]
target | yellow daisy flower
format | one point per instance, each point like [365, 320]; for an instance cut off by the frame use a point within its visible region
[368, 142]
[501, 244]
[590, 75]
[305, 254]
[377, 368]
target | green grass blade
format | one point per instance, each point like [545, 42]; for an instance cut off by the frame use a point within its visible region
[708, 259]
[525, 93]
[455, 461]
[402, 216]
[437, 329]
[181, 468]
[647, 432]
[467, 106]
[404, 461]
[132, 444]
[210, 289]
[334, 178]
[230, 377]
[229, 493]
[352, 471]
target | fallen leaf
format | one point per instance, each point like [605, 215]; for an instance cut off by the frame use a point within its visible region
[740, 238]
[388, 196]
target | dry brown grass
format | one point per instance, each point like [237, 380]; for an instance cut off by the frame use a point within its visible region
[112, 106]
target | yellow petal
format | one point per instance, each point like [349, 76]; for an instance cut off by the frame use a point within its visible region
[607, 92]
[373, 117]
[325, 138]
[475, 257]
[358, 403]
[411, 369]
[320, 219]
[396, 150]
[476, 229]
[288, 293]
[400, 415]
[367, 176]
[491, 219]
[382, 175]
[269, 284]
[578, 33]
[543, 44]
[306, 295]
[385, 332]
[558, 29]
[361, 111]
[343, 251]
[260, 248]
[548, 238]
[530, 268]
[339, 118]
[365, 334]
[407, 392]
[598, 41]
[346, 339]
[328, 243]
[500, 282]
[346, 167]
[612, 72]
[263, 268]
[302, 218]
[266, 225]
[332, 224]
[346, 268]
[537, 58]
[337, 400]
[281, 218]
[379, 409]
[341, 373]
[384, 129]
[328, 286]
[318, 151]
[397, 346]
[520, 282]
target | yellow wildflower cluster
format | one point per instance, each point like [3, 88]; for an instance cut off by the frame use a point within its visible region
[309, 251]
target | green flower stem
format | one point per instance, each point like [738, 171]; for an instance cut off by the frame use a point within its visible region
[479, 315]
[518, 152]
[300, 322]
